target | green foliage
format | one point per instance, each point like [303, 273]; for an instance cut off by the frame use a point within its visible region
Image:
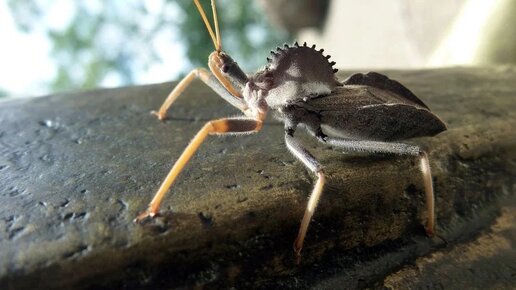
[245, 33]
[116, 39]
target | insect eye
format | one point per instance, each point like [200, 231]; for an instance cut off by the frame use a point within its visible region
[225, 68]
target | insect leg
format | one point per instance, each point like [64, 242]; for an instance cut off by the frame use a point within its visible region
[429, 193]
[239, 125]
[294, 145]
[399, 149]
[210, 80]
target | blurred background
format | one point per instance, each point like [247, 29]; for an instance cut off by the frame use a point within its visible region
[59, 45]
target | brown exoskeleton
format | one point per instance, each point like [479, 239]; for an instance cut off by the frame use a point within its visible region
[365, 112]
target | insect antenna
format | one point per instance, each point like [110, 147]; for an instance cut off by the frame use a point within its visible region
[216, 21]
[214, 37]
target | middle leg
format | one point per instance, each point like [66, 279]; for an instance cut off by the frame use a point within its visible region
[294, 145]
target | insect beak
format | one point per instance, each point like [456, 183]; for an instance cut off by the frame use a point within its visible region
[216, 62]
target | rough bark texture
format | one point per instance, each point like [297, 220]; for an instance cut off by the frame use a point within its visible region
[76, 168]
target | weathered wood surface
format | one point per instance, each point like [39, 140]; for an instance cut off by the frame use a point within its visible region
[76, 168]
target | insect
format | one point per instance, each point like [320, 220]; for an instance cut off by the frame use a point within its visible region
[366, 112]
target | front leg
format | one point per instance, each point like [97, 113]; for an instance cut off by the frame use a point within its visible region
[242, 125]
[210, 80]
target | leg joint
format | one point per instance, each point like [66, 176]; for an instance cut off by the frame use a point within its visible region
[201, 73]
[237, 125]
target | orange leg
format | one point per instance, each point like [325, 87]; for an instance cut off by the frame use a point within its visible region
[241, 125]
[429, 194]
[309, 212]
[207, 78]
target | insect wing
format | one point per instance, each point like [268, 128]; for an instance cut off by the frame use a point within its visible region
[371, 113]
[380, 81]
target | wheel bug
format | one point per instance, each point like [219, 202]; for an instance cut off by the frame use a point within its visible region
[365, 112]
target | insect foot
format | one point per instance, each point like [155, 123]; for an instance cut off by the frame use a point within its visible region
[144, 216]
[160, 116]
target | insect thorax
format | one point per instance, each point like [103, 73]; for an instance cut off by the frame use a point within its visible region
[293, 73]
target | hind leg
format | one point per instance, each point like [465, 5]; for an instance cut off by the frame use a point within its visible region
[399, 149]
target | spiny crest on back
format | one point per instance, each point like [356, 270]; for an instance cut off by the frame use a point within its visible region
[295, 73]
[302, 63]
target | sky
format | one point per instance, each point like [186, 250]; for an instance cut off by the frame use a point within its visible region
[26, 64]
